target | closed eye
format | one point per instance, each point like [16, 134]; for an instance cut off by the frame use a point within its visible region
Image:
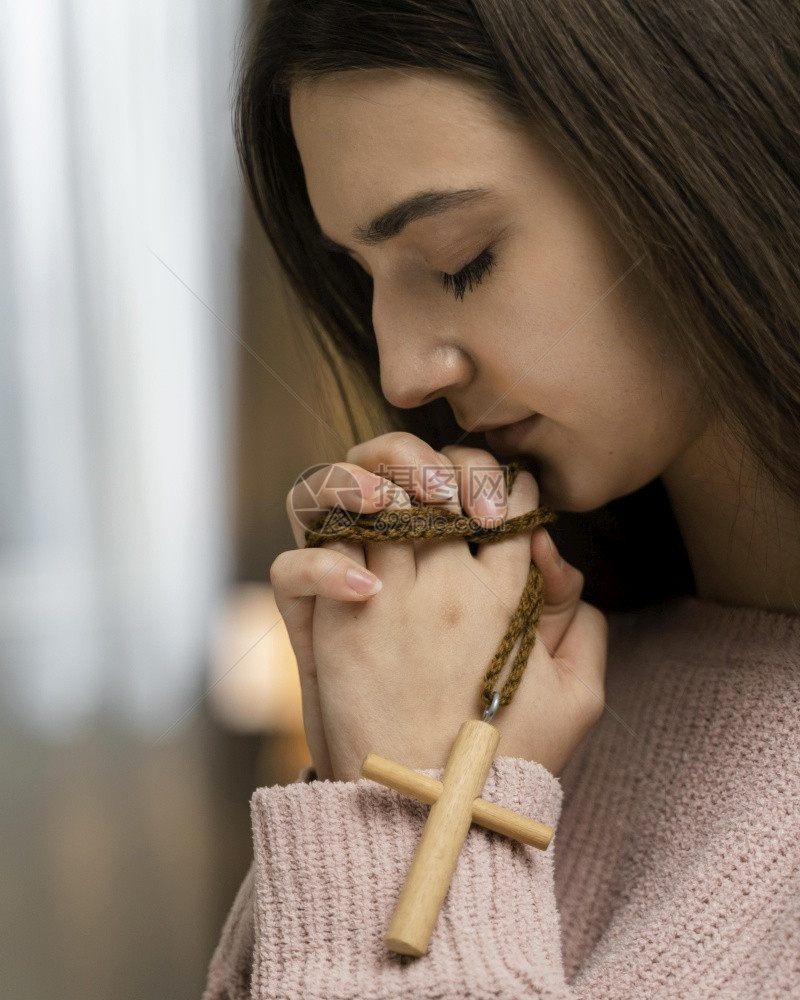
[470, 276]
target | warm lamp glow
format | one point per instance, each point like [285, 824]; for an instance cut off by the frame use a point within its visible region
[254, 682]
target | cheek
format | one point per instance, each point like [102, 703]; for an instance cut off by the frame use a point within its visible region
[581, 472]
[616, 410]
[562, 339]
[616, 421]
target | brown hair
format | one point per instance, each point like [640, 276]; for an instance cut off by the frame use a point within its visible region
[684, 121]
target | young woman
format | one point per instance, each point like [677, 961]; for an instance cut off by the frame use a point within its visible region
[569, 231]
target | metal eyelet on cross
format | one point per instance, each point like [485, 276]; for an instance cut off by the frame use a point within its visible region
[491, 708]
[455, 801]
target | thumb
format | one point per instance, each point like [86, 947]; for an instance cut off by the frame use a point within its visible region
[563, 586]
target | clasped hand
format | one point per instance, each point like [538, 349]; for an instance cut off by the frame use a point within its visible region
[397, 672]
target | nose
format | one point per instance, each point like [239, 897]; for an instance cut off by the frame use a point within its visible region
[407, 382]
[417, 365]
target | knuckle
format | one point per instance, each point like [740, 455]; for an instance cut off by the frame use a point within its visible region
[406, 448]
[325, 474]
[595, 706]
[580, 583]
[320, 563]
[461, 455]
[302, 567]
[477, 470]
[278, 568]
[455, 452]
[483, 456]
[402, 438]
[597, 617]
[304, 483]
[390, 439]
[590, 702]
[394, 448]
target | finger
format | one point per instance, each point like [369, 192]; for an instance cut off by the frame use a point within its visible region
[353, 550]
[569, 679]
[392, 560]
[313, 724]
[300, 575]
[481, 483]
[510, 558]
[563, 585]
[581, 662]
[343, 485]
[425, 474]
[395, 557]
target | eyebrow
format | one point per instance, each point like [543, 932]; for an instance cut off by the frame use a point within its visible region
[395, 219]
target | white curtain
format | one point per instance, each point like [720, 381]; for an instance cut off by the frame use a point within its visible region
[116, 170]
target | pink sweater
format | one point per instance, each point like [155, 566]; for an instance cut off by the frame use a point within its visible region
[674, 871]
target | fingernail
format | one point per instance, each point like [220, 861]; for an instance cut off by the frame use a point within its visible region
[400, 500]
[558, 560]
[490, 507]
[377, 489]
[363, 582]
[440, 486]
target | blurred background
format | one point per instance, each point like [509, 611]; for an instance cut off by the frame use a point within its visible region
[155, 408]
[157, 402]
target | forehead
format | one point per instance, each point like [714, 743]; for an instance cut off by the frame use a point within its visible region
[368, 136]
[408, 95]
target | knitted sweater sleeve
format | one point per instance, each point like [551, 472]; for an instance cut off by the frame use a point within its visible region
[330, 859]
[674, 871]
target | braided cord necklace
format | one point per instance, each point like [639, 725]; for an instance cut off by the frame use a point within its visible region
[432, 522]
[455, 800]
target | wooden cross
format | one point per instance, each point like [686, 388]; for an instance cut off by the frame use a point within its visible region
[455, 806]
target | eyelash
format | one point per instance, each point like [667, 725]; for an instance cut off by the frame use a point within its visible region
[469, 277]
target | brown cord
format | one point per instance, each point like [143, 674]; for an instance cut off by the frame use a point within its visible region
[431, 522]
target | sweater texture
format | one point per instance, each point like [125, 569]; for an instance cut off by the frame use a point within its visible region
[674, 872]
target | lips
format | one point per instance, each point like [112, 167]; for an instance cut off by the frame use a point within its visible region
[511, 437]
[484, 428]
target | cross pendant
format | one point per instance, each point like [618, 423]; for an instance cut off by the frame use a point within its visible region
[455, 806]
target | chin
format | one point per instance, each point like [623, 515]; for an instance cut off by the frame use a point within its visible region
[569, 496]
[572, 486]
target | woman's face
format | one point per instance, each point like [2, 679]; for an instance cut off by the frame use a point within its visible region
[549, 317]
